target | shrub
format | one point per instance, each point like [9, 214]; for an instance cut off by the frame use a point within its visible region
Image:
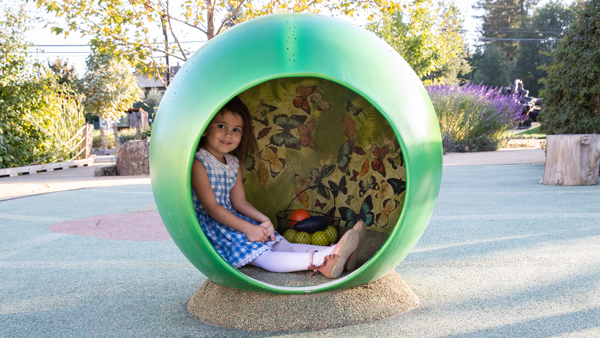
[473, 116]
[571, 89]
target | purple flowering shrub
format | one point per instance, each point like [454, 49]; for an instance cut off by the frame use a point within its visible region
[473, 111]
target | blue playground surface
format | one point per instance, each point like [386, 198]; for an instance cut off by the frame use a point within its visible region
[502, 256]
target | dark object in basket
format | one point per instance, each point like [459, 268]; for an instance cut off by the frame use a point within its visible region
[283, 217]
[312, 224]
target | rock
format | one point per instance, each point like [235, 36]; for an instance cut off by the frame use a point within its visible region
[132, 158]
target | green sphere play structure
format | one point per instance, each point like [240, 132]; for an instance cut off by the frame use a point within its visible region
[288, 46]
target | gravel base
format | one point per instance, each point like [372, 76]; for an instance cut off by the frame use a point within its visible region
[255, 311]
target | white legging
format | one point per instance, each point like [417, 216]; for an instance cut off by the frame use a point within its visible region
[288, 257]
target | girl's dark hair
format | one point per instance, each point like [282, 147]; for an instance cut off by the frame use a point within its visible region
[248, 144]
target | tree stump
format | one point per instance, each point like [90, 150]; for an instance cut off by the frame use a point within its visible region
[572, 160]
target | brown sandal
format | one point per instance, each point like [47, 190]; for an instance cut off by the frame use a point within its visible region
[333, 264]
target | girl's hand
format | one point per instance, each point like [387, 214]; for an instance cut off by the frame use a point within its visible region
[256, 234]
[270, 229]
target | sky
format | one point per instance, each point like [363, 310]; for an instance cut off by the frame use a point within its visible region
[74, 48]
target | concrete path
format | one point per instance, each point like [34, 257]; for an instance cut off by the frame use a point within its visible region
[502, 256]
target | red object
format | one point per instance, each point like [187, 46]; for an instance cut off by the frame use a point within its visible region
[297, 216]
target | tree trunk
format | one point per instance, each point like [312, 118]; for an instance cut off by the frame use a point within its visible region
[572, 160]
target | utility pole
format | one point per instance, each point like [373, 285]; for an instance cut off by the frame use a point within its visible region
[164, 27]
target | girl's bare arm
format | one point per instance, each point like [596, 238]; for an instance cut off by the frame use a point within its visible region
[241, 205]
[201, 185]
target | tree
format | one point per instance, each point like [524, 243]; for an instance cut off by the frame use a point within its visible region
[572, 87]
[426, 35]
[543, 30]
[150, 102]
[129, 29]
[37, 118]
[109, 86]
[62, 70]
[490, 67]
[501, 20]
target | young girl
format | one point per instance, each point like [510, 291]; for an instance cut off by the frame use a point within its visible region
[238, 232]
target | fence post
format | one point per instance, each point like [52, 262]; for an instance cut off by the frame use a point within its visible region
[86, 141]
[117, 143]
[139, 130]
[103, 138]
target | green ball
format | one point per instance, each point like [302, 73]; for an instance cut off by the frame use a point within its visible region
[290, 235]
[331, 234]
[303, 238]
[320, 238]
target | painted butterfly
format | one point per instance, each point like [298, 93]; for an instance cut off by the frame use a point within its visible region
[276, 164]
[349, 127]
[317, 98]
[344, 155]
[359, 150]
[340, 187]
[349, 199]
[319, 204]
[301, 184]
[365, 168]
[353, 109]
[301, 100]
[364, 186]
[305, 131]
[398, 185]
[264, 132]
[377, 163]
[319, 176]
[365, 214]
[284, 137]
[389, 206]
[397, 161]
[260, 114]
[354, 175]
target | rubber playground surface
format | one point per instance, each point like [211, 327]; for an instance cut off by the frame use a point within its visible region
[502, 256]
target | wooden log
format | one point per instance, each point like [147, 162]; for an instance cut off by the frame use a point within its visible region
[138, 129]
[572, 160]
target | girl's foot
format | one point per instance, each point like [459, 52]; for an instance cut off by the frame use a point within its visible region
[333, 265]
[361, 228]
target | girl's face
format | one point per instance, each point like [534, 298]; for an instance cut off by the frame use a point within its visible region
[223, 134]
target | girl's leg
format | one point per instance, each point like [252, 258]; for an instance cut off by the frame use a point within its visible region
[286, 246]
[282, 261]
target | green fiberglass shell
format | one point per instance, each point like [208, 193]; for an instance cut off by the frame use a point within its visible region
[293, 46]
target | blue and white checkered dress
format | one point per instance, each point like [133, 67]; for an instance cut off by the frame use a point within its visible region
[231, 244]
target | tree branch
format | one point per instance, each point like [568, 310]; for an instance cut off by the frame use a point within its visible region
[175, 37]
[148, 43]
[230, 16]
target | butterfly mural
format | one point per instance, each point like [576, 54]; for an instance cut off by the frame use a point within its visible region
[377, 163]
[365, 214]
[398, 185]
[382, 218]
[276, 164]
[320, 204]
[349, 199]
[260, 114]
[264, 132]
[350, 107]
[285, 137]
[317, 97]
[305, 131]
[397, 161]
[344, 155]
[364, 169]
[349, 126]
[301, 184]
[364, 186]
[354, 175]
[339, 187]
[302, 94]
[384, 189]
[359, 150]
[318, 176]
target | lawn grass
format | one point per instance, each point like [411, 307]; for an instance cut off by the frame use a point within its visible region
[529, 133]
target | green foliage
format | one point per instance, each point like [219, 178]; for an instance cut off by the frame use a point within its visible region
[150, 102]
[426, 35]
[38, 116]
[129, 29]
[572, 88]
[109, 86]
[490, 67]
[65, 73]
[550, 22]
